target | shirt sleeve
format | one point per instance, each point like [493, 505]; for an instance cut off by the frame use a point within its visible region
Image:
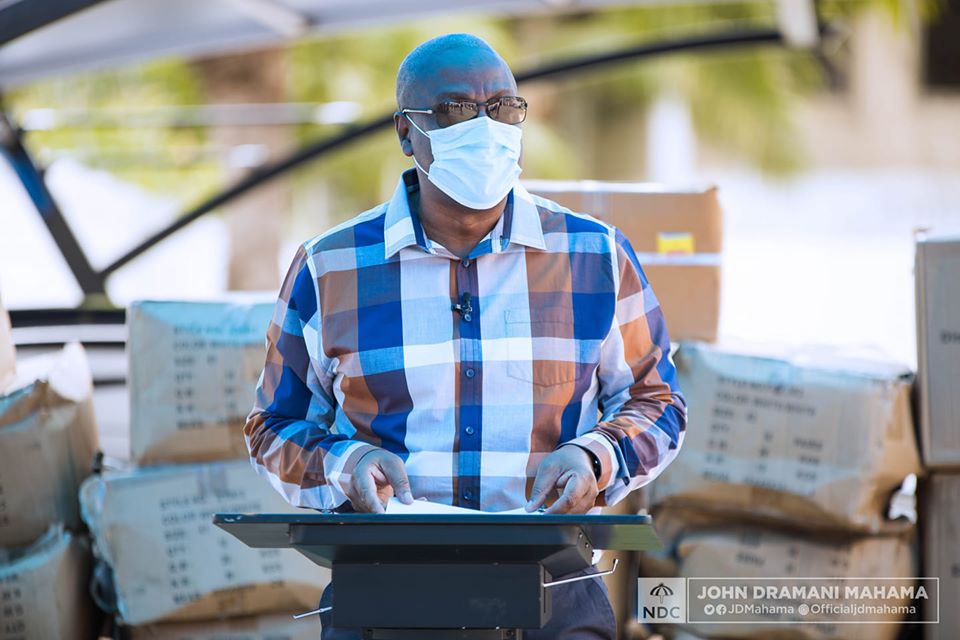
[290, 432]
[644, 413]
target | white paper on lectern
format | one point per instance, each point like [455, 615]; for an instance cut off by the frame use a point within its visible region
[425, 507]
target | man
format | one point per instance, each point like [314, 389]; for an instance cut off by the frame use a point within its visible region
[457, 342]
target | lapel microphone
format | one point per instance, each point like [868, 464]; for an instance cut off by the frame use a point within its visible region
[463, 307]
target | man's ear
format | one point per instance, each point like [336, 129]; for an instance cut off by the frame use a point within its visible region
[403, 133]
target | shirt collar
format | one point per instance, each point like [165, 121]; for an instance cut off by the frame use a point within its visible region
[526, 228]
[520, 222]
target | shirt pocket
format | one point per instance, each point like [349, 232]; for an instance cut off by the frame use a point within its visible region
[541, 346]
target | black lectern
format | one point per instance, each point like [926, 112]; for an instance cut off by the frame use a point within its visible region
[443, 576]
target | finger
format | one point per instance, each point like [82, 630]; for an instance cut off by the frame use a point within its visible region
[545, 481]
[563, 505]
[384, 494]
[366, 488]
[586, 502]
[382, 483]
[574, 489]
[397, 477]
[563, 482]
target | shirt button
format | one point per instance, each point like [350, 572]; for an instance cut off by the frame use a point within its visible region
[469, 431]
[467, 495]
[470, 373]
[465, 262]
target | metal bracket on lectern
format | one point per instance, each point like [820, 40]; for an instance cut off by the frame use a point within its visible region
[599, 574]
[315, 612]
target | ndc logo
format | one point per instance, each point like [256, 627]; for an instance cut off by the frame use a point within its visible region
[662, 591]
[662, 600]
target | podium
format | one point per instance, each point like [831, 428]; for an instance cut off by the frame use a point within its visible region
[431, 577]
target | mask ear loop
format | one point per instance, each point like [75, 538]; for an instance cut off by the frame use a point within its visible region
[415, 126]
[425, 134]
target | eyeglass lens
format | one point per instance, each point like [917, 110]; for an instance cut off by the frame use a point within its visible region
[509, 110]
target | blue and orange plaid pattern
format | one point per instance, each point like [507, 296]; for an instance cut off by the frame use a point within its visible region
[364, 350]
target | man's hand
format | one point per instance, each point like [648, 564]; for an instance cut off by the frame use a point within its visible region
[378, 475]
[569, 470]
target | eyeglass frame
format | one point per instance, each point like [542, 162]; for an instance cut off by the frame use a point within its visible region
[486, 105]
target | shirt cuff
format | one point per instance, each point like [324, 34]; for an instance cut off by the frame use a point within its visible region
[599, 446]
[341, 470]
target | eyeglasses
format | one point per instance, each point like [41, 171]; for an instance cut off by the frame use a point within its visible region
[507, 109]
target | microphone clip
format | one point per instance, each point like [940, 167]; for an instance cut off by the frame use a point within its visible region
[463, 307]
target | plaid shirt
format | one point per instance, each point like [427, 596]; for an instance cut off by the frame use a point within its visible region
[365, 350]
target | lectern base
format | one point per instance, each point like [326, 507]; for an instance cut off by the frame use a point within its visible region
[440, 596]
[443, 634]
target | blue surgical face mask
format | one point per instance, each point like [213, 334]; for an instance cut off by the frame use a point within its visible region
[475, 162]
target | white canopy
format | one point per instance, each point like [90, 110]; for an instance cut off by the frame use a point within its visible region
[48, 38]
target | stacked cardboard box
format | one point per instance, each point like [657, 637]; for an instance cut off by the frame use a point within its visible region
[700, 546]
[266, 627]
[788, 467]
[154, 528]
[47, 441]
[193, 368]
[43, 589]
[815, 441]
[677, 235]
[941, 549]
[938, 341]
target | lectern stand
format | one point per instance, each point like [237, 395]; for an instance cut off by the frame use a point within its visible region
[432, 577]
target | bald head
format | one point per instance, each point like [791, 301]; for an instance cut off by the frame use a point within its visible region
[453, 61]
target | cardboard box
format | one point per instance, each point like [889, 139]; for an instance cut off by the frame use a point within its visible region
[193, 370]
[154, 527]
[47, 440]
[750, 552]
[280, 626]
[43, 589]
[7, 352]
[815, 440]
[940, 521]
[938, 341]
[677, 235]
